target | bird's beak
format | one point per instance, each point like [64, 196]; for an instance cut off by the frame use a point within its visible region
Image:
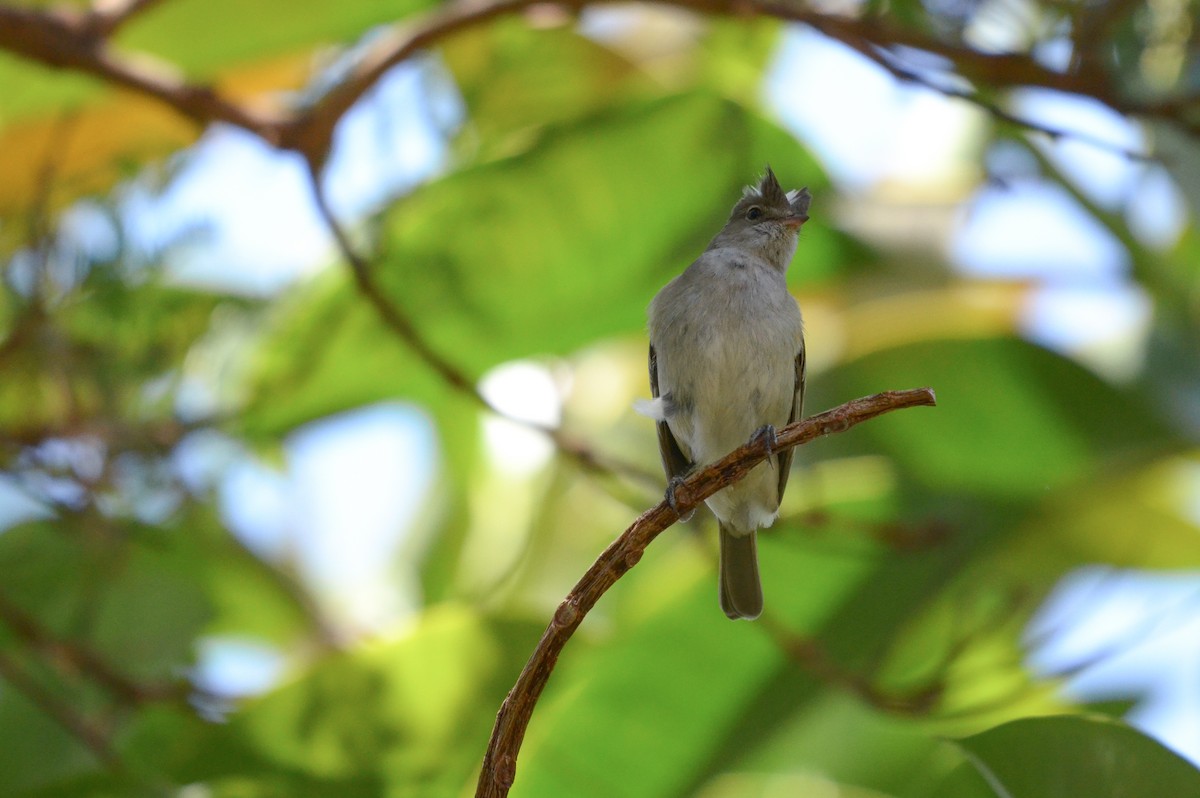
[794, 220]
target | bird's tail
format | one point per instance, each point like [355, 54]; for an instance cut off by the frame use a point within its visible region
[741, 589]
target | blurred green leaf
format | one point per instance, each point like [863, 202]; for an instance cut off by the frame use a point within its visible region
[412, 713]
[838, 737]
[182, 31]
[96, 354]
[501, 72]
[119, 596]
[733, 55]
[1077, 755]
[127, 593]
[1092, 522]
[964, 782]
[32, 89]
[1013, 420]
[37, 751]
[145, 329]
[560, 241]
[246, 595]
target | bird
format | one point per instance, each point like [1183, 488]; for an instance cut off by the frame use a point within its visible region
[727, 365]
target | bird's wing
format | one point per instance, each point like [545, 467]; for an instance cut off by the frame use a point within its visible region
[675, 464]
[785, 458]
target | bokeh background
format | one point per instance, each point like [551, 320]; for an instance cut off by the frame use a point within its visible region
[285, 506]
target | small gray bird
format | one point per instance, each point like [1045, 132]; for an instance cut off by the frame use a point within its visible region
[727, 365]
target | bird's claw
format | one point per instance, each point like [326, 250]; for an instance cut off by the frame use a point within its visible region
[765, 437]
[672, 484]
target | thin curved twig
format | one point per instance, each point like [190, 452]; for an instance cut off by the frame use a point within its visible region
[395, 320]
[404, 328]
[500, 761]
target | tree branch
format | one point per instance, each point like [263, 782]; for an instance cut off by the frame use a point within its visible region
[890, 62]
[69, 40]
[65, 40]
[500, 760]
[312, 132]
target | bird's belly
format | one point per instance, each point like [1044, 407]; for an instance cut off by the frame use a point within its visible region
[743, 389]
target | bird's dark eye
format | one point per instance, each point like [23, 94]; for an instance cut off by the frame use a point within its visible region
[754, 214]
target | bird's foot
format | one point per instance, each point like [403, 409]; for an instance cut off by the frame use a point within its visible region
[672, 484]
[765, 437]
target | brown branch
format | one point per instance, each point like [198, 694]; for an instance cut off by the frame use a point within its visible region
[500, 760]
[312, 132]
[889, 61]
[65, 40]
